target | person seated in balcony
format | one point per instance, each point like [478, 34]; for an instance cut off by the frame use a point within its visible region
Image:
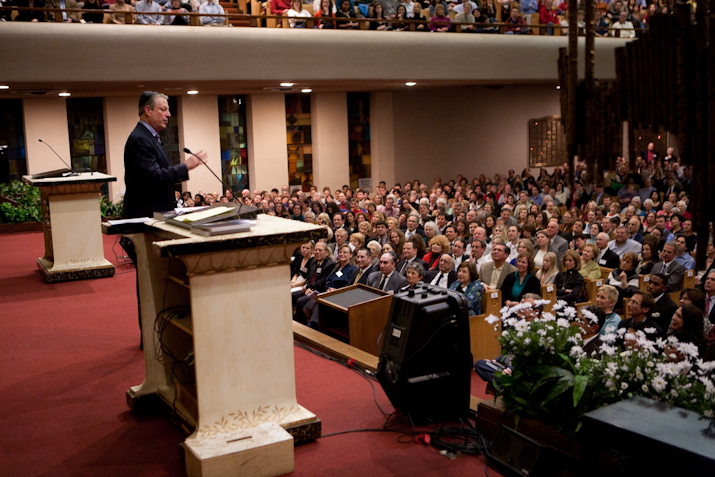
[417, 14]
[279, 7]
[296, 11]
[440, 15]
[327, 10]
[581, 24]
[346, 14]
[93, 17]
[63, 4]
[515, 19]
[119, 10]
[465, 16]
[148, 7]
[26, 15]
[378, 13]
[548, 16]
[625, 28]
[212, 7]
[400, 16]
[177, 10]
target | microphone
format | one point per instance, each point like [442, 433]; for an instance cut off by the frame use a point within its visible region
[187, 151]
[63, 161]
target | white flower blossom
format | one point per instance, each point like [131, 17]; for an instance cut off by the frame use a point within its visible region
[527, 341]
[644, 388]
[491, 319]
[650, 330]
[590, 316]
[522, 325]
[562, 322]
[624, 386]
[658, 384]
[577, 351]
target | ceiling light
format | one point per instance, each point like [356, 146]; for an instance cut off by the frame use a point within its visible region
[558, 87]
[4, 86]
[410, 83]
[193, 91]
[306, 90]
[65, 94]
[286, 85]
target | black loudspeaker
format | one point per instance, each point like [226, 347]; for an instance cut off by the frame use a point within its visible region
[515, 453]
[426, 360]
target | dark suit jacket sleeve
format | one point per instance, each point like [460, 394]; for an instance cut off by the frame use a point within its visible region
[148, 175]
[612, 260]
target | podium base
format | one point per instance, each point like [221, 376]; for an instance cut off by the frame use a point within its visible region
[265, 450]
[81, 270]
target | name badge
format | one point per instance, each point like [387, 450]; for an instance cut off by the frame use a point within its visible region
[292, 259]
[338, 274]
[304, 269]
[319, 270]
[602, 262]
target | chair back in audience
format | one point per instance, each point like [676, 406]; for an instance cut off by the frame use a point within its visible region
[483, 337]
[605, 272]
[548, 292]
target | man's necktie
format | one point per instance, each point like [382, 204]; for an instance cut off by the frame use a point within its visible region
[665, 267]
[382, 282]
[158, 138]
[357, 277]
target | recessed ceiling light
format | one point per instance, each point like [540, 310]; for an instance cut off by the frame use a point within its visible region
[410, 83]
[65, 94]
[4, 87]
[306, 90]
[286, 85]
[558, 87]
[193, 91]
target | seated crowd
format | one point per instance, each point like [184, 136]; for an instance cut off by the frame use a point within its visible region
[629, 239]
[624, 17]
[147, 11]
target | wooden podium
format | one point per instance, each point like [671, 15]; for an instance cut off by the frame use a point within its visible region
[356, 315]
[71, 221]
[218, 340]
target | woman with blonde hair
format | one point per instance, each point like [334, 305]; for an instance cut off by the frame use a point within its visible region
[524, 246]
[324, 219]
[549, 269]
[438, 245]
[589, 267]
[357, 240]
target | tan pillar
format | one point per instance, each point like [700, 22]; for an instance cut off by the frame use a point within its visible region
[266, 135]
[329, 124]
[121, 115]
[199, 130]
[46, 119]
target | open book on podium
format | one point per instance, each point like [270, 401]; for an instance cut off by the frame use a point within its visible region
[218, 219]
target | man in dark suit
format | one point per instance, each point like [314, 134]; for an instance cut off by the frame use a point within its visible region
[640, 308]
[606, 257]
[387, 279]
[414, 227]
[148, 174]
[669, 267]
[363, 259]
[323, 267]
[445, 275]
[409, 252]
[664, 306]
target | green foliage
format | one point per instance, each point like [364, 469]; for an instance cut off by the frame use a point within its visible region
[111, 209]
[28, 198]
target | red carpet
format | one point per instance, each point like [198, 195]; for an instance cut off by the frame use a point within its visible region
[69, 352]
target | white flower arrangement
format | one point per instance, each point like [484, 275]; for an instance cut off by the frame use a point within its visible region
[553, 379]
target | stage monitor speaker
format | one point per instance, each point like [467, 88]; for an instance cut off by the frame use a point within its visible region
[515, 453]
[425, 362]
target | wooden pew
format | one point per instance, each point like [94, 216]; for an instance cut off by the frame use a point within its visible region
[483, 337]
[592, 287]
[548, 292]
[605, 272]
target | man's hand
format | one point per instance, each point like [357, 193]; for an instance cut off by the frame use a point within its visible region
[192, 162]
